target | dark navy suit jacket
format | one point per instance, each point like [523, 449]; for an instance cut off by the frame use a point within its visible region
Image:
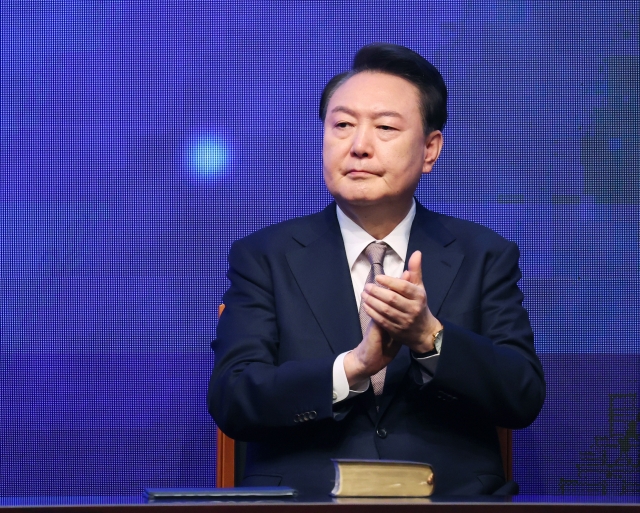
[290, 310]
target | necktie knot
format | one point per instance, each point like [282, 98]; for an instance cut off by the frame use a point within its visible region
[375, 252]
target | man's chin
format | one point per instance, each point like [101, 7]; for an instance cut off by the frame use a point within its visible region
[360, 200]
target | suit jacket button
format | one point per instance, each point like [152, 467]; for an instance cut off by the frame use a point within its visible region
[296, 418]
[306, 416]
[312, 415]
[382, 432]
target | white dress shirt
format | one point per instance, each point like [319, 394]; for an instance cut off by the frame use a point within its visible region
[356, 240]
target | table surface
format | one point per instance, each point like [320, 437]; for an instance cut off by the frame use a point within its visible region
[486, 504]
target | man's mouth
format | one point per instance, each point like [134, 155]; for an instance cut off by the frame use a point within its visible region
[360, 172]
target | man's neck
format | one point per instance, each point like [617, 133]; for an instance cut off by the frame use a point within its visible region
[377, 220]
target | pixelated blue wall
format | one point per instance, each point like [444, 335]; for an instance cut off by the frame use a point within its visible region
[139, 139]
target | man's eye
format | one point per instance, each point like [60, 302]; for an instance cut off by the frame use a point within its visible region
[343, 124]
[386, 128]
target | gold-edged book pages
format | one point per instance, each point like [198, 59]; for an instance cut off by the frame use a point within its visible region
[382, 478]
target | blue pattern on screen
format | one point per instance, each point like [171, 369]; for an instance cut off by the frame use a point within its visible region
[139, 139]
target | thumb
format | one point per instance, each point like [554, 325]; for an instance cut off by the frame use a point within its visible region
[415, 268]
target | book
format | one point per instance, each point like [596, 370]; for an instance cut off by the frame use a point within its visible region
[382, 478]
[251, 493]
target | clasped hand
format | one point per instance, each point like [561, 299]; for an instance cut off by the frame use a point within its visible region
[400, 316]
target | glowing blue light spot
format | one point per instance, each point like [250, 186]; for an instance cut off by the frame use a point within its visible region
[208, 156]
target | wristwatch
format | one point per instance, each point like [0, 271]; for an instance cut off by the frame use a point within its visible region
[437, 340]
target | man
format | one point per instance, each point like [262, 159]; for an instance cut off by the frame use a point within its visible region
[375, 328]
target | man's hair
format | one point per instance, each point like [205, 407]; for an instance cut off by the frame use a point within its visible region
[404, 63]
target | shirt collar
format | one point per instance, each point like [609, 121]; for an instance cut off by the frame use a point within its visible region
[356, 238]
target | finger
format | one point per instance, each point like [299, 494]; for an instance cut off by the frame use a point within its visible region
[389, 297]
[405, 288]
[405, 276]
[378, 319]
[415, 268]
[386, 316]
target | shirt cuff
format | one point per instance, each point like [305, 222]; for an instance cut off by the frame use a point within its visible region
[429, 364]
[341, 390]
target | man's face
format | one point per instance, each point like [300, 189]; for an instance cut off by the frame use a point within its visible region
[374, 148]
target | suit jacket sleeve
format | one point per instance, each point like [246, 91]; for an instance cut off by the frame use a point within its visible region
[251, 393]
[488, 360]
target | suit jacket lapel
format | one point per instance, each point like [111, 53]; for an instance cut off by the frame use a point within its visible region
[440, 260]
[321, 270]
[440, 265]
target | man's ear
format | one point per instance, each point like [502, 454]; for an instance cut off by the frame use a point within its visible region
[433, 147]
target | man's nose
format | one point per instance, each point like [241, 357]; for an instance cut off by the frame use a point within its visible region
[362, 146]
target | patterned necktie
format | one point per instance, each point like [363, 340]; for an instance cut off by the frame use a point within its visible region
[375, 253]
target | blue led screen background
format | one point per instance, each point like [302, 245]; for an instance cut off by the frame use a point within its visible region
[139, 139]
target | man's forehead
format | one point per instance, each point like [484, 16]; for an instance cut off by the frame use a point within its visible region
[374, 113]
[381, 94]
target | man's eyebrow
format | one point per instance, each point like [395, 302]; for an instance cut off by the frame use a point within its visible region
[380, 114]
[387, 113]
[346, 110]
